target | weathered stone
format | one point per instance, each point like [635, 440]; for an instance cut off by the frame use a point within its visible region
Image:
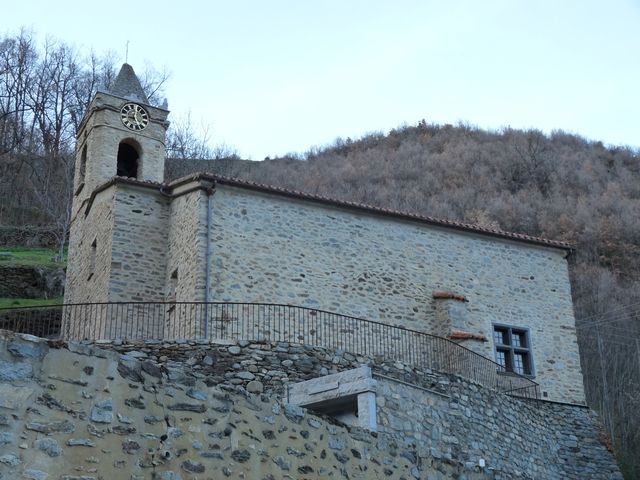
[80, 442]
[55, 404]
[282, 462]
[241, 456]
[214, 455]
[71, 381]
[196, 394]
[294, 413]
[295, 452]
[130, 447]
[192, 466]
[245, 375]
[102, 412]
[63, 426]
[11, 372]
[235, 350]
[130, 369]
[32, 474]
[135, 403]
[151, 369]
[168, 476]
[336, 443]
[255, 386]
[28, 346]
[313, 422]
[208, 360]
[10, 459]
[136, 354]
[48, 446]
[13, 397]
[341, 457]
[188, 407]
[124, 419]
[123, 430]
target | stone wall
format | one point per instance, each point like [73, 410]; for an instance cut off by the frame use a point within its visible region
[186, 411]
[268, 248]
[272, 249]
[187, 247]
[19, 236]
[139, 249]
[31, 282]
[88, 278]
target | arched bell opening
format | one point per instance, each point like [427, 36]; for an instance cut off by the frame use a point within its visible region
[128, 159]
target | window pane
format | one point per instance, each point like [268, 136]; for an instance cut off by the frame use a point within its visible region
[519, 363]
[500, 358]
[519, 339]
[500, 336]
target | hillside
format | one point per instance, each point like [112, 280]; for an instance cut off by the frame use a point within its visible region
[559, 186]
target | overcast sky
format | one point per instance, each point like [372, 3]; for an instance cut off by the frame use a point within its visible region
[278, 76]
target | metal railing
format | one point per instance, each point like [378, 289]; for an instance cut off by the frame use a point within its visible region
[259, 322]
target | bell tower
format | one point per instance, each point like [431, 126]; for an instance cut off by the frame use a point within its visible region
[120, 135]
[120, 149]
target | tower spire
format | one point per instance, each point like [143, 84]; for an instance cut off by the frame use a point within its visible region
[126, 85]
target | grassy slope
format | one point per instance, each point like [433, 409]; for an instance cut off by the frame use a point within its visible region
[31, 257]
[29, 302]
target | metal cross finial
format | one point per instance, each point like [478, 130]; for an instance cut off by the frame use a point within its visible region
[126, 55]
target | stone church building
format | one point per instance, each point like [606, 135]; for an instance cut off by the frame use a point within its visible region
[425, 331]
[204, 238]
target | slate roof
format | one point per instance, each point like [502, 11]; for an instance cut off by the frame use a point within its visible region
[127, 85]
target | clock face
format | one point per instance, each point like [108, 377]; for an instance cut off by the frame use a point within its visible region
[134, 117]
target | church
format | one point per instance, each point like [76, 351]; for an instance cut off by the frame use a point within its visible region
[206, 239]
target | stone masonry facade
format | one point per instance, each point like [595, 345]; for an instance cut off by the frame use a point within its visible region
[273, 249]
[187, 410]
[266, 247]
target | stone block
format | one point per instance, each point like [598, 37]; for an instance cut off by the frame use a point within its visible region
[13, 397]
[12, 372]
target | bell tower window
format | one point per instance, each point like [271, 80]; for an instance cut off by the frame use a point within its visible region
[128, 160]
[83, 164]
[82, 170]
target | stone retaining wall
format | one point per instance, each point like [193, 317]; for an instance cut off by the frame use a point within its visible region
[19, 236]
[188, 410]
[31, 282]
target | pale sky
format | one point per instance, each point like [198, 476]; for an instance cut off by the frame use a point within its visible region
[278, 76]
